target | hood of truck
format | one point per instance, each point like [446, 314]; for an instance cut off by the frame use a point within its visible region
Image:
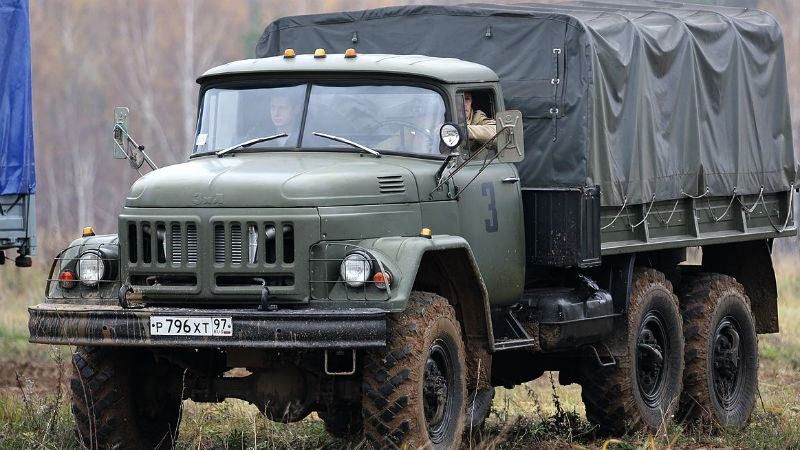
[272, 179]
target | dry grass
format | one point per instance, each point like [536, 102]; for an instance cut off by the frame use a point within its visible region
[539, 414]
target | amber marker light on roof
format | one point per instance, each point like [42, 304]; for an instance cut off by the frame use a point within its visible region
[319, 53]
[88, 231]
[289, 53]
[350, 53]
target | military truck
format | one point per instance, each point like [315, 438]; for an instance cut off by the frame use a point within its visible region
[17, 172]
[339, 238]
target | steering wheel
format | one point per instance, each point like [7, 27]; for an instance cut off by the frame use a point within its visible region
[401, 123]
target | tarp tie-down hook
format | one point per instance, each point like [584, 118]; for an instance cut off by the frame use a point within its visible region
[711, 210]
[749, 210]
[554, 115]
[622, 208]
[652, 200]
[789, 211]
[674, 208]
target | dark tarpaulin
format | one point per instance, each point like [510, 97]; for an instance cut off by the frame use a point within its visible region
[17, 174]
[642, 100]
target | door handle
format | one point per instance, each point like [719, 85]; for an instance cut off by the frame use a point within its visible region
[511, 180]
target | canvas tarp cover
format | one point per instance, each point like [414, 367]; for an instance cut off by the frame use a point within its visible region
[16, 124]
[642, 101]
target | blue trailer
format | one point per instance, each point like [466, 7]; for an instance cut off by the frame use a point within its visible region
[17, 170]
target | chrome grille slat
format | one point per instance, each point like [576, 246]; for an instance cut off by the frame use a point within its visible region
[176, 244]
[219, 243]
[236, 243]
[191, 243]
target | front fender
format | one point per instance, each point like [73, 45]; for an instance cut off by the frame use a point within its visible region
[105, 291]
[404, 255]
[446, 266]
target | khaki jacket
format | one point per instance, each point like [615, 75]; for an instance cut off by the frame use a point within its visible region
[481, 128]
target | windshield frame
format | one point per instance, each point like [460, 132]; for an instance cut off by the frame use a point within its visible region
[341, 79]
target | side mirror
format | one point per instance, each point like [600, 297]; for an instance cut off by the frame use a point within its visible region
[510, 138]
[120, 132]
[450, 135]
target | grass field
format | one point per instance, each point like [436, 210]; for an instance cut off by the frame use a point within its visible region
[34, 406]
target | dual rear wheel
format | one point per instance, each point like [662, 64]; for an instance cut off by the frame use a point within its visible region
[693, 359]
[721, 374]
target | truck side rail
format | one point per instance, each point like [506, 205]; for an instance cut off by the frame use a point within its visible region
[696, 220]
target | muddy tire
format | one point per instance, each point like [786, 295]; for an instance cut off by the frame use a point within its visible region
[641, 391]
[122, 399]
[342, 423]
[414, 390]
[721, 375]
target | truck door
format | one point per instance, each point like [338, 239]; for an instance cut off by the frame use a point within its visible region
[490, 209]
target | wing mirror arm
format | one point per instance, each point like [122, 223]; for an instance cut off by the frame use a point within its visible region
[440, 173]
[125, 147]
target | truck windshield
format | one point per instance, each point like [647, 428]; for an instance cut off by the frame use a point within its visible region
[389, 118]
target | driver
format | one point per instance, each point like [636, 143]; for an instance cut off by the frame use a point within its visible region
[481, 128]
[284, 113]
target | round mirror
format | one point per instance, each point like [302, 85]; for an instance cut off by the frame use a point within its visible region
[450, 135]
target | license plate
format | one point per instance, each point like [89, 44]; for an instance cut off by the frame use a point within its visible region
[190, 326]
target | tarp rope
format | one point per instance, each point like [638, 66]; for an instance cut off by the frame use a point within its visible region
[734, 198]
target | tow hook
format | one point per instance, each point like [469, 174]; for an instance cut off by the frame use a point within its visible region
[265, 297]
[129, 299]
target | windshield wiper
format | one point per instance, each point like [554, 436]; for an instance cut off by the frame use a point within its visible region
[246, 144]
[348, 142]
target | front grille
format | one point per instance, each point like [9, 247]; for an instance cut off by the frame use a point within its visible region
[206, 258]
[266, 243]
[161, 241]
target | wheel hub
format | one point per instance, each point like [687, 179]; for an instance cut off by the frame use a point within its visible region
[435, 390]
[651, 348]
[727, 367]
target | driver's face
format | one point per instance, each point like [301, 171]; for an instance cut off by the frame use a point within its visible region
[468, 104]
[282, 112]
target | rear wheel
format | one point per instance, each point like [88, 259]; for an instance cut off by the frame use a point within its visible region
[721, 357]
[123, 399]
[414, 392]
[641, 391]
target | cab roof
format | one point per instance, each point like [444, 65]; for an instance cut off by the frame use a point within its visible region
[448, 70]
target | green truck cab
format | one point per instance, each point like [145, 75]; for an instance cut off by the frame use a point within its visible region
[338, 232]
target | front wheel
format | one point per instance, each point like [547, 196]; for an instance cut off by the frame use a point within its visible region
[721, 375]
[414, 392]
[123, 399]
[642, 390]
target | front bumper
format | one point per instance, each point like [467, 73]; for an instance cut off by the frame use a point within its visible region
[96, 325]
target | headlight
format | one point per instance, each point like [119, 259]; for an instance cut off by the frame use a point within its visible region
[356, 268]
[91, 268]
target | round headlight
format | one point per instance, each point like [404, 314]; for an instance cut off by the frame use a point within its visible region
[91, 268]
[356, 269]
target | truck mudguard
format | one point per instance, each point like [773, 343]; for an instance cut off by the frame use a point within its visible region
[649, 102]
[449, 261]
